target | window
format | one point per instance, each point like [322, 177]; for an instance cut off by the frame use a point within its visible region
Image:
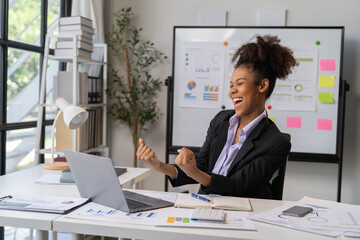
[23, 27]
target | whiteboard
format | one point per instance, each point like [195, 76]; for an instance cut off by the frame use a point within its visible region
[305, 105]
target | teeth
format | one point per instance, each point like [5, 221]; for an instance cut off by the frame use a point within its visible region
[235, 100]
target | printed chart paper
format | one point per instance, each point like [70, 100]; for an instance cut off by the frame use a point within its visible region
[36, 203]
[275, 216]
[201, 75]
[176, 217]
[327, 218]
[328, 215]
[298, 91]
[97, 212]
[180, 217]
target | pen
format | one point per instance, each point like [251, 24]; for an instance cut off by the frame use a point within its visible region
[201, 198]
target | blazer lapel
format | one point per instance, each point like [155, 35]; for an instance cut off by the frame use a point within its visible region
[248, 144]
[220, 143]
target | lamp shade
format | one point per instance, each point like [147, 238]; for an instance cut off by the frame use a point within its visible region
[74, 116]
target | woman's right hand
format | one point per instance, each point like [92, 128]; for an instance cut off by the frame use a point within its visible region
[146, 154]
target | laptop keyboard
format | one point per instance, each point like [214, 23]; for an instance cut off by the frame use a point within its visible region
[133, 204]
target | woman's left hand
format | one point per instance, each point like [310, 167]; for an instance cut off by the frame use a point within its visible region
[186, 161]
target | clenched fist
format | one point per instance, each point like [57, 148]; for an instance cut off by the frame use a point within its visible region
[186, 161]
[146, 154]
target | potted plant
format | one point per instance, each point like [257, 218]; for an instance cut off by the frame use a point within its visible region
[131, 88]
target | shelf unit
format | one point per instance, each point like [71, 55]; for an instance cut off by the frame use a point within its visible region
[76, 60]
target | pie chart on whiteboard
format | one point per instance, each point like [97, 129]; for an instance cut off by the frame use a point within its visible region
[191, 85]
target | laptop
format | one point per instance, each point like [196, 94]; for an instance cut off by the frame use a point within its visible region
[67, 177]
[96, 179]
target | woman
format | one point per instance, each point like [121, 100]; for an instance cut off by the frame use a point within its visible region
[243, 148]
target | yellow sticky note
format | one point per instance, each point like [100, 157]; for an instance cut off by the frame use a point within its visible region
[272, 119]
[327, 81]
[326, 97]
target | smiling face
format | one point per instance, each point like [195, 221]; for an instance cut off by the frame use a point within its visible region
[247, 96]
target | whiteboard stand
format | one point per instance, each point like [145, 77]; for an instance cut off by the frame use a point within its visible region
[168, 83]
[345, 87]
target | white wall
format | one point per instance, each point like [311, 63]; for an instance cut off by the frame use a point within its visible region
[157, 17]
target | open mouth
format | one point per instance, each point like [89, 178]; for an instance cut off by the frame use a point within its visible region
[237, 101]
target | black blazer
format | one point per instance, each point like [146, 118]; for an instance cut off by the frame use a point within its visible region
[263, 152]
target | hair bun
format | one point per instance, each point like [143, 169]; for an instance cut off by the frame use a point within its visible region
[267, 57]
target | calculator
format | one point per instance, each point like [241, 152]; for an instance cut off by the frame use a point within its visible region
[208, 214]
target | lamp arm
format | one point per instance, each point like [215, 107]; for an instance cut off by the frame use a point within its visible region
[52, 136]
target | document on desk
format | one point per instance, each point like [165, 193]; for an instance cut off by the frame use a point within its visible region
[181, 217]
[96, 212]
[328, 215]
[275, 216]
[37, 203]
[160, 217]
[327, 218]
[50, 179]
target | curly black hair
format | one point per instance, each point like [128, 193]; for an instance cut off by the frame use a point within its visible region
[267, 58]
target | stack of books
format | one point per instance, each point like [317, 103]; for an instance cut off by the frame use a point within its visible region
[79, 27]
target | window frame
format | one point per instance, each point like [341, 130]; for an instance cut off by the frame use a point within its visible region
[5, 44]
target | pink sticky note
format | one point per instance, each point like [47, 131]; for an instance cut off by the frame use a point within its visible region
[293, 122]
[327, 64]
[324, 124]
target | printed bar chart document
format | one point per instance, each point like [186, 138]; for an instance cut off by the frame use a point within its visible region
[36, 203]
[327, 218]
[164, 217]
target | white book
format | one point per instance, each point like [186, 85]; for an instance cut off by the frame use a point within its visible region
[75, 33]
[75, 20]
[72, 52]
[220, 202]
[67, 38]
[70, 44]
[76, 27]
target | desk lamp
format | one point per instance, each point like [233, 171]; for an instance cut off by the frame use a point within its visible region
[74, 117]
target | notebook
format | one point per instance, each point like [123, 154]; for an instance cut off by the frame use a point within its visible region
[220, 202]
[96, 179]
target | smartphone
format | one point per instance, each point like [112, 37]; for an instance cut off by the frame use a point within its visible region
[297, 211]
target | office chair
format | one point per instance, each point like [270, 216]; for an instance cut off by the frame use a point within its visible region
[277, 181]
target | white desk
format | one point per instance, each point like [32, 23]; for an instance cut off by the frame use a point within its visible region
[23, 182]
[111, 229]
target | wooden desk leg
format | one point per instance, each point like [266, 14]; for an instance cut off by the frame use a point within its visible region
[42, 235]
